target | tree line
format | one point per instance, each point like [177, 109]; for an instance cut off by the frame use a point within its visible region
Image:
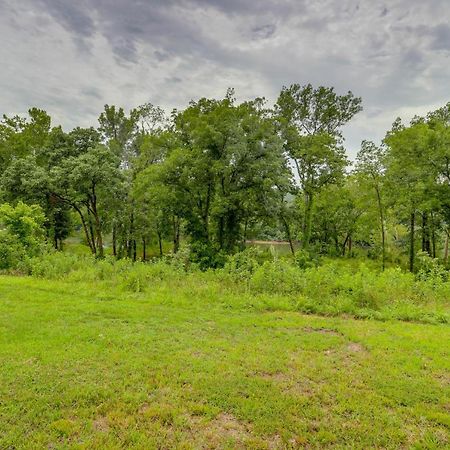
[219, 173]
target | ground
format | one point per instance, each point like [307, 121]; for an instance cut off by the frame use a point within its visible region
[84, 366]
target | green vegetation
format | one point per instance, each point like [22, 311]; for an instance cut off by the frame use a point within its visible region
[109, 354]
[220, 173]
[224, 279]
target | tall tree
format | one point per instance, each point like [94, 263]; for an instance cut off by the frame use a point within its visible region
[310, 123]
[370, 168]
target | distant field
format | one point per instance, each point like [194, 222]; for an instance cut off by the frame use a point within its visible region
[84, 366]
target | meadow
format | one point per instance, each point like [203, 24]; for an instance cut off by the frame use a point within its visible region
[110, 354]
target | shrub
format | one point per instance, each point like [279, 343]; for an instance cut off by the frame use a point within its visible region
[304, 259]
[21, 234]
[54, 265]
[431, 269]
[11, 251]
[277, 276]
[242, 265]
[182, 259]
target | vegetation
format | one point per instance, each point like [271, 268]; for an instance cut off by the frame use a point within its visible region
[219, 173]
[148, 356]
[224, 278]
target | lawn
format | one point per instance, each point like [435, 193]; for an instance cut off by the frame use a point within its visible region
[88, 366]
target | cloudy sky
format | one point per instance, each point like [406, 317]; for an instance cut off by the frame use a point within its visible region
[71, 57]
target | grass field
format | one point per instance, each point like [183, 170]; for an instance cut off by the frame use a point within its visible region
[87, 366]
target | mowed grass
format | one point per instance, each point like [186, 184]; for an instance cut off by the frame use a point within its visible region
[87, 366]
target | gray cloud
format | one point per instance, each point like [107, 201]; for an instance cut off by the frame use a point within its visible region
[71, 57]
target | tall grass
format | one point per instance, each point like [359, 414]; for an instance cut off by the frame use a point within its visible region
[251, 281]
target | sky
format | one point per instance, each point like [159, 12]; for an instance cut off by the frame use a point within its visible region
[70, 57]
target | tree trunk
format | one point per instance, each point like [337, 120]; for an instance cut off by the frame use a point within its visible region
[176, 234]
[288, 234]
[144, 250]
[344, 245]
[98, 230]
[130, 239]
[350, 245]
[91, 232]
[85, 228]
[308, 220]
[160, 243]
[383, 232]
[411, 242]
[114, 239]
[134, 250]
[426, 247]
[433, 237]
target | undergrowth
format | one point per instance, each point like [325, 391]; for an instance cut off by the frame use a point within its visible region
[249, 281]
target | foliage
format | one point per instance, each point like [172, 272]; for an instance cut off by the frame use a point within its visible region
[332, 288]
[21, 233]
[219, 173]
[242, 265]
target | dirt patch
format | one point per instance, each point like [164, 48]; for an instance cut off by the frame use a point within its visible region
[328, 331]
[273, 376]
[101, 424]
[228, 424]
[214, 433]
[443, 379]
[354, 347]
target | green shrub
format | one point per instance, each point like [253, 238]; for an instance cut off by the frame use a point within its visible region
[331, 289]
[431, 269]
[12, 253]
[242, 265]
[54, 265]
[21, 234]
[182, 259]
[303, 259]
[277, 276]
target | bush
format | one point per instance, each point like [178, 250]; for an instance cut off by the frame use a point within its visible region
[21, 234]
[304, 259]
[182, 259]
[242, 265]
[431, 269]
[11, 251]
[54, 265]
[277, 276]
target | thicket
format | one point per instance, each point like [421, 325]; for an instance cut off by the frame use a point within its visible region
[254, 279]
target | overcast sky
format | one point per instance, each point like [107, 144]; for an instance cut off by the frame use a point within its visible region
[71, 57]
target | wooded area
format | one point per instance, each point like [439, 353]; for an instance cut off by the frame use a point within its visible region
[219, 173]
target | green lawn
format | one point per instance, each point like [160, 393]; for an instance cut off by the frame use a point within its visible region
[176, 367]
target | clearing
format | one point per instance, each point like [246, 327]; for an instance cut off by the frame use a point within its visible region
[87, 367]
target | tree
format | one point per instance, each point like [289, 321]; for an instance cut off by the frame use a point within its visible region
[86, 183]
[370, 169]
[310, 121]
[229, 164]
[408, 174]
[337, 216]
[20, 137]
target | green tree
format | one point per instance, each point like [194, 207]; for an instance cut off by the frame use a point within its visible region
[370, 169]
[310, 122]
